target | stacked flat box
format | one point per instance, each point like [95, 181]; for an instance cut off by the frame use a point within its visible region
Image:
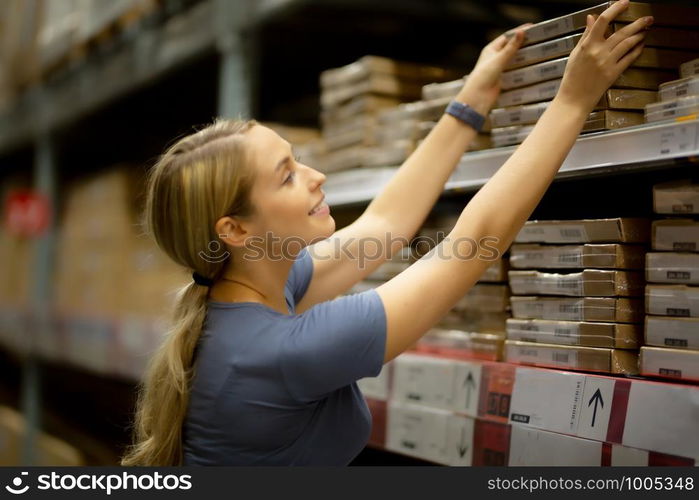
[672, 295]
[677, 99]
[576, 288]
[351, 99]
[534, 74]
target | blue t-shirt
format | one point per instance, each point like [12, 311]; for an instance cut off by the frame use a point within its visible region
[276, 389]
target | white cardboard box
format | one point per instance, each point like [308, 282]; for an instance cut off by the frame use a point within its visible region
[672, 267]
[672, 300]
[669, 331]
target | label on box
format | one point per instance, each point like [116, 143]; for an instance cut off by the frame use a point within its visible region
[460, 440]
[547, 332]
[558, 257]
[669, 332]
[667, 301]
[596, 408]
[680, 238]
[547, 400]
[552, 233]
[548, 356]
[467, 387]
[676, 141]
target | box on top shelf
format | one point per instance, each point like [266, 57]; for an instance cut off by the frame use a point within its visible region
[588, 283]
[672, 109]
[679, 235]
[541, 331]
[605, 256]
[675, 89]
[518, 115]
[610, 309]
[672, 300]
[689, 68]
[664, 15]
[681, 364]
[616, 230]
[543, 51]
[632, 78]
[370, 65]
[374, 84]
[676, 197]
[594, 359]
[672, 267]
[669, 331]
[359, 106]
[612, 120]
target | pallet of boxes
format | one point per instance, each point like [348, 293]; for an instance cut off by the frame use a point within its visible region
[533, 76]
[671, 347]
[577, 294]
[352, 98]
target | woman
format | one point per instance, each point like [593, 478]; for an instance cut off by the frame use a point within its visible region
[260, 364]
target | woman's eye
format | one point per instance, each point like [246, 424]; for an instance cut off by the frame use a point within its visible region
[297, 159]
[289, 178]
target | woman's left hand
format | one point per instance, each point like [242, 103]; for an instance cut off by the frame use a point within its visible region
[483, 83]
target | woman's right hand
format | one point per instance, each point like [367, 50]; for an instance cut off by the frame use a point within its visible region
[596, 62]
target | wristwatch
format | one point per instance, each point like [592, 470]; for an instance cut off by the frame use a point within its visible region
[466, 114]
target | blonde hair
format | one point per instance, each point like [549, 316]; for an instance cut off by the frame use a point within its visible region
[198, 180]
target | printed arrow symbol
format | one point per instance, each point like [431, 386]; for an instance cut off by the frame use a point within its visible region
[469, 383]
[462, 448]
[596, 398]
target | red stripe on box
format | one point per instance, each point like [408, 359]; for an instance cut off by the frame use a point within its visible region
[606, 455]
[661, 459]
[617, 417]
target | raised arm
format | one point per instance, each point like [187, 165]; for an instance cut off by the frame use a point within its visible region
[402, 206]
[417, 298]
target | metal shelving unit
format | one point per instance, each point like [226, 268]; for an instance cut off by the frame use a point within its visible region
[634, 149]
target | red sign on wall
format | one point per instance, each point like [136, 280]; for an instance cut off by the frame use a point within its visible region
[27, 213]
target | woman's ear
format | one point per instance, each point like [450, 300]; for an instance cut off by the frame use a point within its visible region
[232, 231]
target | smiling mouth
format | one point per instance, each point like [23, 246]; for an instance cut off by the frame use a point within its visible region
[319, 206]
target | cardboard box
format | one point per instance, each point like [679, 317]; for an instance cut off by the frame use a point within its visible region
[361, 105]
[442, 90]
[672, 267]
[507, 136]
[612, 120]
[544, 51]
[681, 364]
[689, 68]
[664, 15]
[475, 321]
[388, 155]
[670, 38]
[672, 300]
[632, 78]
[608, 409]
[542, 331]
[544, 91]
[612, 309]
[674, 109]
[668, 331]
[368, 66]
[588, 283]
[457, 344]
[418, 431]
[594, 359]
[605, 256]
[629, 99]
[679, 235]
[675, 89]
[485, 297]
[375, 84]
[518, 115]
[534, 447]
[436, 382]
[617, 230]
[676, 197]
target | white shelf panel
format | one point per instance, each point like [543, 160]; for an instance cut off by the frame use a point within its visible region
[593, 153]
